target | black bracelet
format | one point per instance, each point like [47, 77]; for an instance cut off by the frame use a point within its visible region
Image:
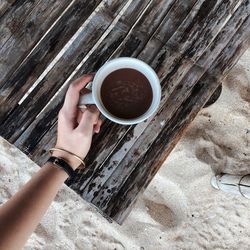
[62, 164]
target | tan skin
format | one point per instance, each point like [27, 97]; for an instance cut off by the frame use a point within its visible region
[20, 215]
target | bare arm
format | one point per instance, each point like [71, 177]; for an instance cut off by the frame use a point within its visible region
[21, 214]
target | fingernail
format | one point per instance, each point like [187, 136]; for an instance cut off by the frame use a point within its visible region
[92, 108]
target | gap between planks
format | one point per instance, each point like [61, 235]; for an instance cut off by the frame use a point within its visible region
[61, 52]
[88, 54]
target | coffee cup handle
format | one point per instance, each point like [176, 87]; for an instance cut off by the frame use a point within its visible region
[85, 100]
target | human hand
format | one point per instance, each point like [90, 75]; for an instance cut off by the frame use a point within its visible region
[76, 126]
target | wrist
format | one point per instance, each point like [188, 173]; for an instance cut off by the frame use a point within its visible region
[74, 163]
[59, 171]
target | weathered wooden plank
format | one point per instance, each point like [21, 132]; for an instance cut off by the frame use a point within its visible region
[5, 5]
[26, 112]
[115, 128]
[172, 65]
[103, 149]
[12, 20]
[117, 35]
[170, 134]
[214, 97]
[196, 19]
[117, 180]
[194, 35]
[106, 171]
[124, 166]
[95, 61]
[22, 79]
[32, 135]
[21, 40]
[40, 155]
[152, 48]
[167, 28]
[144, 28]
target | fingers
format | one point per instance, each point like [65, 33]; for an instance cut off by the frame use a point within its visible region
[97, 126]
[73, 93]
[85, 91]
[89, 120]
[79, 114]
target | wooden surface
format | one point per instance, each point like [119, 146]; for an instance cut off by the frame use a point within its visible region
[191, 44]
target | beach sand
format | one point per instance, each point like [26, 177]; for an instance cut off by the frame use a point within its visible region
[179, 209]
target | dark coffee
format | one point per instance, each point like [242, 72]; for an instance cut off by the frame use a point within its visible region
[126, 93]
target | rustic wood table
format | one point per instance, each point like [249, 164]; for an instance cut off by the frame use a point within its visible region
[44, 44]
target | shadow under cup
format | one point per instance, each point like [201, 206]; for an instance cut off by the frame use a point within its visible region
[126, 91]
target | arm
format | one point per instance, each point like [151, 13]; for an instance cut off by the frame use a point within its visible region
[21, 214]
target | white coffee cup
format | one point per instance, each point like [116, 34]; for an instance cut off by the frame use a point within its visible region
[123, 62]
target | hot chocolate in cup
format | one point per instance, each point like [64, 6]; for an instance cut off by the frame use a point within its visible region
[126, 91]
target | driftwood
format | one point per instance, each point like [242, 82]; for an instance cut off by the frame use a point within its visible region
[191, 45]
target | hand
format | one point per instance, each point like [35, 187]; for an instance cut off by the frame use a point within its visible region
[76, 126]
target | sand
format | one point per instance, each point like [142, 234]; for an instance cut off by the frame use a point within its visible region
[180, 209]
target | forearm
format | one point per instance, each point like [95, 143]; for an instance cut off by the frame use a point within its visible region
[21, 214]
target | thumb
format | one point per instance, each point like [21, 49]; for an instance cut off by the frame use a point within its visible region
[89, 119]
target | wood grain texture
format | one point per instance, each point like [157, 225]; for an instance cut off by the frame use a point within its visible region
[22, 79]
[103, 170]
[168, 31]
[21, 40]
[171, 22]
[11, 21]
[102, 196]
[192, 45]
[194, 35]
[26, 112]
[170, 134]
[113, 40]
[144, 28]
[33, 134]
[100, 55]
[5, 6]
